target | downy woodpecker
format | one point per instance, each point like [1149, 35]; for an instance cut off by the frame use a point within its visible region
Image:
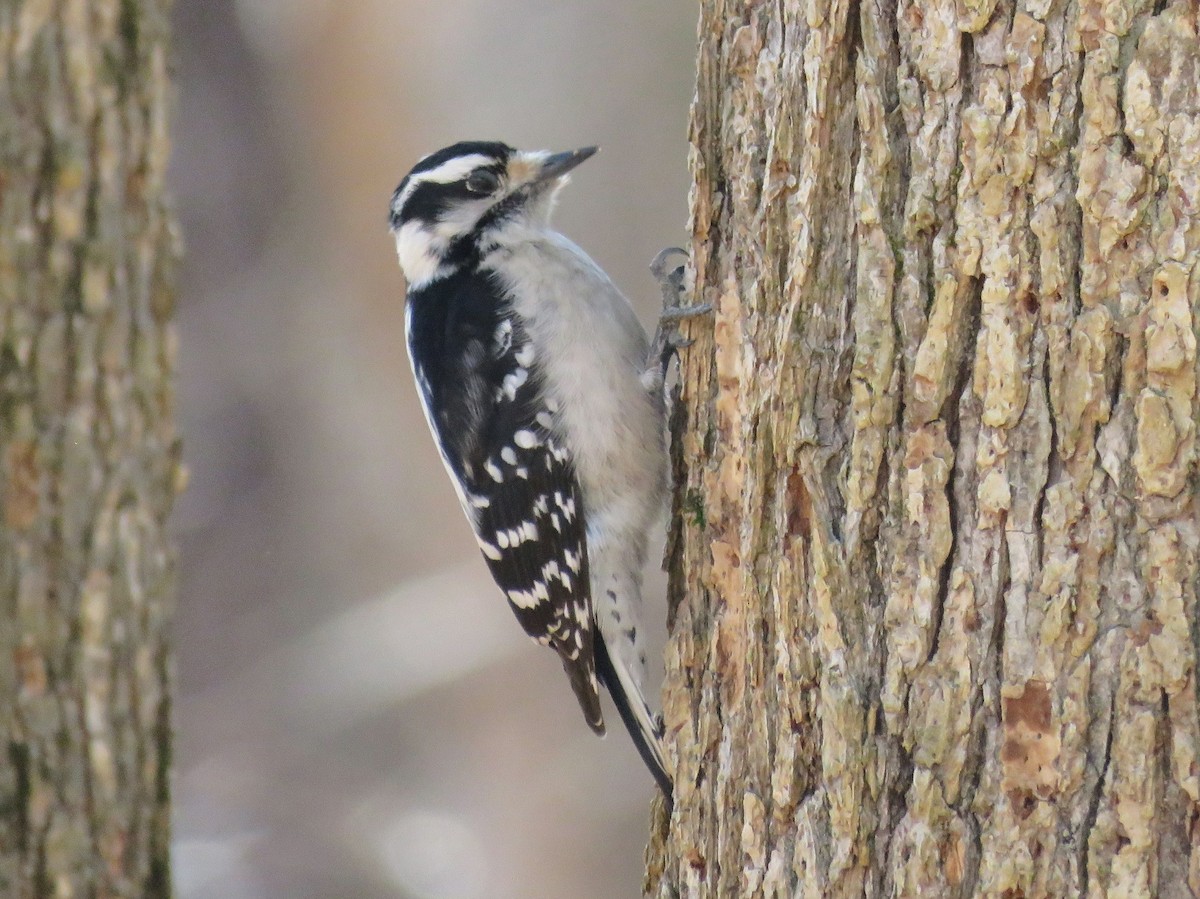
[533, 373]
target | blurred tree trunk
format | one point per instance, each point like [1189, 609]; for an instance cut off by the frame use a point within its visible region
[935, 560]
[88, 449]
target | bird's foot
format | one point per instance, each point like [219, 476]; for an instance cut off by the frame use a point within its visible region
[670, 275]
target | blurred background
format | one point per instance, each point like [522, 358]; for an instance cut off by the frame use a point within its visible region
[359, 713]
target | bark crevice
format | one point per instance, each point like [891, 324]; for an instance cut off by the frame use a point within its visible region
[961, 315]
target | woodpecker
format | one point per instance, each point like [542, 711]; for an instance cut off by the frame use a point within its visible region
[546, 403]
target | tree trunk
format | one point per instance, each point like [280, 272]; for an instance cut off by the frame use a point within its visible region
[88, 449]
[935, 555]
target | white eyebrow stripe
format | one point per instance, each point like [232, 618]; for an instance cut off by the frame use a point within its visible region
[453, 169]
[449, 171]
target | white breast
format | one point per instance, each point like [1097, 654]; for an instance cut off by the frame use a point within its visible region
[591, 350]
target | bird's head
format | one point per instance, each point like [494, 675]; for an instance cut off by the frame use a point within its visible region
[445, 208]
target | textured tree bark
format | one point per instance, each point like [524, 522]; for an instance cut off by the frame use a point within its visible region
[88, 449]
[935, 554]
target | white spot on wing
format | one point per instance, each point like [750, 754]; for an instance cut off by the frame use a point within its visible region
[513, 381]
[503, 336]
[526, 599]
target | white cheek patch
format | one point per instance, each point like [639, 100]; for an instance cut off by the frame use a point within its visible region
[420, 253]
[460, 219]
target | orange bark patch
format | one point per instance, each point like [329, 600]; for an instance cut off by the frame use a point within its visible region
[21, 500]
[954, 860]
[1031, 748]
[799, 507]
[31, 669]
[730, 646]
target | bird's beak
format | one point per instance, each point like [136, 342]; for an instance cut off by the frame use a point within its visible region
[557, 164]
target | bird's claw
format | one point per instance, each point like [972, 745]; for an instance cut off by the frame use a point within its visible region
[670, 276]
[659, 264]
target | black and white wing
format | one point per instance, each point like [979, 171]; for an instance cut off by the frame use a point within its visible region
[477, 376]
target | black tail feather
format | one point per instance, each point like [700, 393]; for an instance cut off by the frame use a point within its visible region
[608, 676]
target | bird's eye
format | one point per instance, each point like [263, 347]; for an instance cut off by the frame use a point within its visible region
[482, 182]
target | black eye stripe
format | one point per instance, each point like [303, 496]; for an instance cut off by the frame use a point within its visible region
[428, 201]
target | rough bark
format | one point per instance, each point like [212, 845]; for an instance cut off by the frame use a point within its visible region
[88, 448]
[935, 559]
